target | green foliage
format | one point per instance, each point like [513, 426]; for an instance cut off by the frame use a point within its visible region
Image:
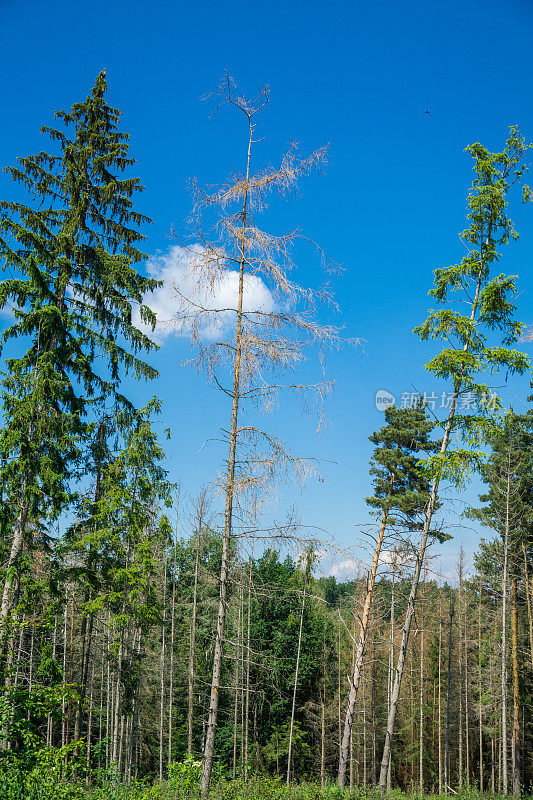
[399, 445]
[72, 253]
[470, 352]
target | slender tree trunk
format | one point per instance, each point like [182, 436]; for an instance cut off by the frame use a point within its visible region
[323, 717]
[467, 708]
[356, 676]
[10, 580]
[162, 675]
[117, 716]
[172, 628]
[418, 567]
[248, 651]
[209, 749]
[64, 673]
[528, 599]
[460, 669]
[480, 689]
[448, 686]
[289, 756]
[322, 743]
[504, 633]
[421, 739]
[192, 640]
[236, 693]
[87, 632]
[516, 689]
[391, 660]
[440, 704]
[90, 727]
[373, 712]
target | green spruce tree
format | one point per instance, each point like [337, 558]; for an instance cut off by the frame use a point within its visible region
[71, 253]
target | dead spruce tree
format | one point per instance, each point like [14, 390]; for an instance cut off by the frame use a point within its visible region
[266, 337]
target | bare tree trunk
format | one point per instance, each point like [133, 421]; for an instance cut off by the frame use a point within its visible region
[323, 717]
[87, 632]
[504, 633]
[447, 733]
[101, 719]
[90, 726]
[11, 578]
[373, 712]
[322, 743]
[440, 704]
[418, 567]
[480, 694]
[391, 661]
[162, 675]
[467, 709]
[289, 755]
[356, 676]
[411, 610]
[63, 702]
[236, 694]
[50, 721]
[172, 627]
[364, 730]
[421, 734]
[192, 640]
[460, 666]
[248, 649]
[528, 599]
[209, 750]
[516, 689]
[117, 717]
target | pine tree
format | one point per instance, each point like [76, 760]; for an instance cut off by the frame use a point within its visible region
[401, 492]
[468, 353]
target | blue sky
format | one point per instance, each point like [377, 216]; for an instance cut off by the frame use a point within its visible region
[388, 207]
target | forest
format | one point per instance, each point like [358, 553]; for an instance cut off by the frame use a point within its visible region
[156, 644]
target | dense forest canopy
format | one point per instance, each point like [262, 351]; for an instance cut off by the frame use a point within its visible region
[161, 642]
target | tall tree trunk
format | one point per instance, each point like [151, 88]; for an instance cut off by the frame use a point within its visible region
[162, 675]
[448, 697]
[86, 637]
[11, 579]
[172, 628]
[192, 640]
[528, 599]
[248, 651]
[516, 689]
[440, 704]
[480, 685]
[391, 659]
[356, 676]
[293, 709]
[421, 733]
[504, 632]
[418, 566]
[209, 749]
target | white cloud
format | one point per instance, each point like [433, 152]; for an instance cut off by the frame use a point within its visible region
[344, 569]
[181, 271]
[391, 557]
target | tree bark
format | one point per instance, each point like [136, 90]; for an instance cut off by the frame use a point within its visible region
[448, 686]
[516, 689]
[293, 709]
[209, 749]
[356, 676]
